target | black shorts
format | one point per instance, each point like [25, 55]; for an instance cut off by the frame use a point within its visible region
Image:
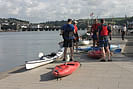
[94, 36]
[76, 38]
[68, 43]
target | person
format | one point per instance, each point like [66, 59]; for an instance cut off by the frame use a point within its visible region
[110, 31]
[123, 31]
[67, 32]
[94, 30]
[76, 37]
[103, 40]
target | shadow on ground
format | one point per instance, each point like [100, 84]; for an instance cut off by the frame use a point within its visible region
[47, 77]
[20, 70]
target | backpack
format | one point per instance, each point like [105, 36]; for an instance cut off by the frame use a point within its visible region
[104, 30]
[68, 32]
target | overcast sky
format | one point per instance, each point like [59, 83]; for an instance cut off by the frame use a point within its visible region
[51, 10]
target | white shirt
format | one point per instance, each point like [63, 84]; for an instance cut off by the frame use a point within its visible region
[124, 28]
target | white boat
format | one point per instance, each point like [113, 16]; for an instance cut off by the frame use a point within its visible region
[84, 42]
[44, 60]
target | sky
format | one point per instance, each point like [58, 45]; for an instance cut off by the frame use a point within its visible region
[51, 10]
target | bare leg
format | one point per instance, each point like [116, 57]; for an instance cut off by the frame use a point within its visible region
[76, 46]
[71, 52]
[108, 52]
[65, 51]
[103, 53]
[94, 42]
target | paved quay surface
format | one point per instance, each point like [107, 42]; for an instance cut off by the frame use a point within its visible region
[93, 74]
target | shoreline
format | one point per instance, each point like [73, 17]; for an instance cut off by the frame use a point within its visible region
[11, 71]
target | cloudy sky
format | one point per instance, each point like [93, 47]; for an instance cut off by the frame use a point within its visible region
[51, 10]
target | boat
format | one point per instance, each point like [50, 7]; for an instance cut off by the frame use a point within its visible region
[44, 59]
[114, 46]
[61, 44]
[84, 42]
[86, 49]
[65, 69]
[96, 54]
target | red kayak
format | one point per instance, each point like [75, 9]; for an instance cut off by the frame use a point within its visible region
[65, 69]
[96, 54]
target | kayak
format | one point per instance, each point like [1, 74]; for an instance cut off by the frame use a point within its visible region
[96, 54]
[65, 69]
[88, 49]
[112, 48]
[44, 59]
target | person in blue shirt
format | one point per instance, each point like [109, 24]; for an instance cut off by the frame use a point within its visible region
[67, 32]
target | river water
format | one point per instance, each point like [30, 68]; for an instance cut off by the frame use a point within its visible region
[18, 47]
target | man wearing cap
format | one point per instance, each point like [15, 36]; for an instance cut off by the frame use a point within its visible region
[94, 30]
[67, 32]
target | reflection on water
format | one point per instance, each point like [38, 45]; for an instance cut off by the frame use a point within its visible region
[18, 47]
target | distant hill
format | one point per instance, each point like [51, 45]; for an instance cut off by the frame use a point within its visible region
[12, 23]
[13, 20]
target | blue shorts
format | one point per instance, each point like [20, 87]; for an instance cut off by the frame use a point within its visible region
[94, 36]
[103, 41]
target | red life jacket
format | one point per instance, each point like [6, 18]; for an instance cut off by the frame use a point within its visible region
[95, 27]
[76, 28]
[104, 31]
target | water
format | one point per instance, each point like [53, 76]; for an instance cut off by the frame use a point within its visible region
[18, 47]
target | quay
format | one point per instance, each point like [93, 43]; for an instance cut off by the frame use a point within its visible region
[93, 74]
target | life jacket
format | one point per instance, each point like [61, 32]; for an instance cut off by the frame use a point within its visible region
[76, 32]
[95, 28]
[104, 30]
[76, 28]
[68, 32]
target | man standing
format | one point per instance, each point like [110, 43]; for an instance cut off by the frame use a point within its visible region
[67, 32]
[110, 31]
[76, 37]
[94, 30]
[103, 40]
[123, 32]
